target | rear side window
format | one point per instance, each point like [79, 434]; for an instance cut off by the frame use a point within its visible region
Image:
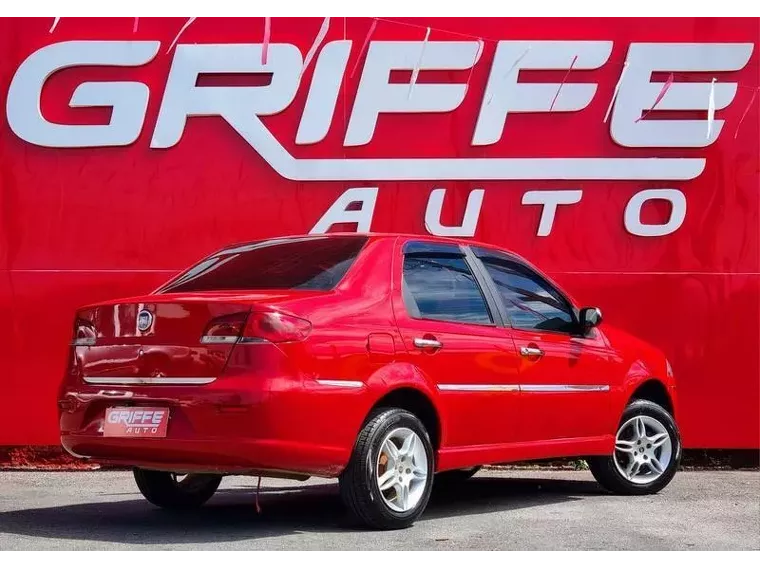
[443, 288]
[306, 263]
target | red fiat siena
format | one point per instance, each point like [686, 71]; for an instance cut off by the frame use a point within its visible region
[387, 361]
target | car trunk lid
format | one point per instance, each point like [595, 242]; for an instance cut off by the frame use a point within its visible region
[159, 340]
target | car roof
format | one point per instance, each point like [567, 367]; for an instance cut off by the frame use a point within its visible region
[381, 236]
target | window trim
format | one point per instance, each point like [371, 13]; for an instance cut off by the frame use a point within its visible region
[494, 289]
[451, 251]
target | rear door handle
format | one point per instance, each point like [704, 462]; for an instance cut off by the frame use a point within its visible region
[424, 343]
[531, 352]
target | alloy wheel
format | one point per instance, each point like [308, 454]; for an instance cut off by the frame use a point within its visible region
[401, 470]
[643, 449]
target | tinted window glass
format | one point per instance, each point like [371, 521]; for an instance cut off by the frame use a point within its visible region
[315, 263]
[443, 288]
[530, 301]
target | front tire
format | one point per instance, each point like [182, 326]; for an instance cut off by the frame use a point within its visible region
[387, 482]
[646, 455]
[167, 490]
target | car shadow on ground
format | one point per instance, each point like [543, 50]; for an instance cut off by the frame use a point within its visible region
[231, 514]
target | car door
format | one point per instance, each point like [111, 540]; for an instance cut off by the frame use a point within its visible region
[564, 375]
[452, 333]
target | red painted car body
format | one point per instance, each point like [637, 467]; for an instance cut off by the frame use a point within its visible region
[296, 406]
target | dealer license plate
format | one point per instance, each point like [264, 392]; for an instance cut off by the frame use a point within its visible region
[136, 422]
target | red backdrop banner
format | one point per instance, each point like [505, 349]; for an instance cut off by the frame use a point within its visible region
[123, 161]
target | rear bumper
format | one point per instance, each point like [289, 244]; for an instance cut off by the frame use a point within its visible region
[232, 455]
[260, 414]
[235, 424]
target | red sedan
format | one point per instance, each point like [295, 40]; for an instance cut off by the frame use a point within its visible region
[384, 360]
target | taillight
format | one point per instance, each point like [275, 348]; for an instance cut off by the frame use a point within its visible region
[275, 327]
[84, 333]
[224, 329]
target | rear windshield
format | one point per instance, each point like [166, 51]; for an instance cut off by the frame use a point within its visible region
[305, 263]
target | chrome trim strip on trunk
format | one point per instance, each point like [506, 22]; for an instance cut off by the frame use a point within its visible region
[479, 388]
[149, 380]
[564, 388]
[340, 383]
[217, 339]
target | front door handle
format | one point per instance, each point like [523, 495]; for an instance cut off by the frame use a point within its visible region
[424, 343]
[531, 352]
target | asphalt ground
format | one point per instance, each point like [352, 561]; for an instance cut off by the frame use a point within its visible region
[509, 509]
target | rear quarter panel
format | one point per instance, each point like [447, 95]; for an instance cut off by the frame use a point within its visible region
[354, 339]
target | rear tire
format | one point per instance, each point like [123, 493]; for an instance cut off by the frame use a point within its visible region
[388, 480]
[165, 490]
[636, 466]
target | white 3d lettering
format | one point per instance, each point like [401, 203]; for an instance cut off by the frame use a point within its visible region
[504, 94]
[376, 94]
[638, 94]
[239, 106]
[469, 221]
[550, 200]
[366, 197]
[339, 211]
[632, 215]
[242, 106]
[129, 100]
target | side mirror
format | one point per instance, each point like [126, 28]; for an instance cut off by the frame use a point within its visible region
[590, 317]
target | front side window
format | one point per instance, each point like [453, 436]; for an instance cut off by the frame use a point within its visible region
[300, 263]
[531, 302]
[443, 288]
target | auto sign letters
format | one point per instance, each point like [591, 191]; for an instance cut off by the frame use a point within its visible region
[243, 106]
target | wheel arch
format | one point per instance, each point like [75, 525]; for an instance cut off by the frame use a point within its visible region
[418, 403]
[653, 390]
